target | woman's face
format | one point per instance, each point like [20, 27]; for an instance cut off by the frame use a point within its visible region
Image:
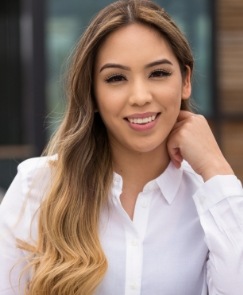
[138, 88]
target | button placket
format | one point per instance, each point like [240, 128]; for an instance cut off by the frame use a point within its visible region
[134, 238]
[141, 213]
[134, 259]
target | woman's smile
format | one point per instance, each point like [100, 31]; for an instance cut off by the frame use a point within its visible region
[143, 121]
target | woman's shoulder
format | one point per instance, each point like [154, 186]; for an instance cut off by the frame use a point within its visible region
[36, 164]
[25, 194]
[36, 173]
[34, 177]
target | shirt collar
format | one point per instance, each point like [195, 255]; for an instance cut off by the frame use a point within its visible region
[169, 182]
[117, 184]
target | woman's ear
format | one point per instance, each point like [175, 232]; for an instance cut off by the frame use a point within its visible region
[186, 86]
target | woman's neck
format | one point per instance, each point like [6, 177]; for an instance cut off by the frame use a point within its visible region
[137, 169]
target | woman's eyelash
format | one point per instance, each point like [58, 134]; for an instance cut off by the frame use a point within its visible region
[115, 78]
[160, 73]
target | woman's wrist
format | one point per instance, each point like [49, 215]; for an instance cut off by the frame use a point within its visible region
[217, 168]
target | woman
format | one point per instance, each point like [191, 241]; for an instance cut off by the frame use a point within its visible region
[115, 208]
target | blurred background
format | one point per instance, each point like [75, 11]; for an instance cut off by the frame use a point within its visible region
[36, 38]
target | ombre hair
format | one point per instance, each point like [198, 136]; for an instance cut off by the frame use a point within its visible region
[68, 257]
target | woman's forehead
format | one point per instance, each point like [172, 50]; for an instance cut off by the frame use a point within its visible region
[134, 42]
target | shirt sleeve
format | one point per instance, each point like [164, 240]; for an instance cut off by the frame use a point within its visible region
[219, 203]
[11, 257]
[18, 221]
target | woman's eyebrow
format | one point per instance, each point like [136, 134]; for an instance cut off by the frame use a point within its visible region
[159, 62]
[152, 64]
[113, 65]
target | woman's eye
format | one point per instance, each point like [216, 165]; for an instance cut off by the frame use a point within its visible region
[160, 74]
[115, 79]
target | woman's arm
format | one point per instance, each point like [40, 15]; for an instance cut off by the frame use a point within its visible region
[18, 222]
[11, 257]
[219, 201]
[219, 204]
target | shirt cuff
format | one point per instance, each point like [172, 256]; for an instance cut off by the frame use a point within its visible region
[215, 190]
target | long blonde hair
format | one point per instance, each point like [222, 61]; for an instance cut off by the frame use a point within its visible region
[68, 257]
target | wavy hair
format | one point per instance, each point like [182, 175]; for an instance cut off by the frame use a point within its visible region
[68, 257]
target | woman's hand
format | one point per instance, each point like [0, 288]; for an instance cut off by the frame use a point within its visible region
[192, 139]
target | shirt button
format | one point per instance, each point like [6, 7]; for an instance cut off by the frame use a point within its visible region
[134, 243]
[144, 204]
[201, 200]
[133, 286]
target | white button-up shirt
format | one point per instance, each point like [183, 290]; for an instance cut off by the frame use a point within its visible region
[186, 237]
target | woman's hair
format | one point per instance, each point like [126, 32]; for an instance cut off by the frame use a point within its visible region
[68, 257]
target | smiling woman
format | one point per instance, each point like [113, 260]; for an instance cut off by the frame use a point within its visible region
[134, 195]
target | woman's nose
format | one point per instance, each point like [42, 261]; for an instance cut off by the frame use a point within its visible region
[140, 94]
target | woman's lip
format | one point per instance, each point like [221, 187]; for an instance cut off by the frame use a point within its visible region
[145, 126]
[142, 115]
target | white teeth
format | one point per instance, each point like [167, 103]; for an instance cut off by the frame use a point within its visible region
[142, 120]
